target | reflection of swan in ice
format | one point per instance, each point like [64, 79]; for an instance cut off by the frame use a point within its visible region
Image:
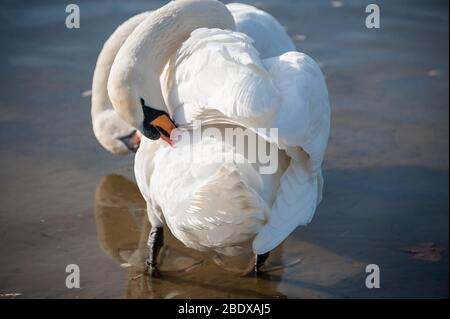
[123, 227]
[118, 216]
[122, 231]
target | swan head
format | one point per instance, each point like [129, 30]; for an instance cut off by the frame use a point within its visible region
[156, 123]
[136, 106]
[115, 135]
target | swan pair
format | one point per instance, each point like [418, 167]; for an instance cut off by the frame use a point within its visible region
[116, 135]
[186, 62]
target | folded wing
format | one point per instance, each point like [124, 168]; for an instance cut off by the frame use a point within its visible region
[219, 76]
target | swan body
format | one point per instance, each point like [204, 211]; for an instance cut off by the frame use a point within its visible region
[287, 92]
[186, 61]
[212, 202]
[270, 39]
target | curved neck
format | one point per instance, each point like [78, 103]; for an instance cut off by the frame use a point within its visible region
[139, 63]
[100, 99]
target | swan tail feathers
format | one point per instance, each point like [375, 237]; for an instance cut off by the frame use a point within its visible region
[295, 205]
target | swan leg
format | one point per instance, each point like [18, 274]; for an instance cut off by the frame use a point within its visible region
[257, 262]
[155, 243]
[260, 261]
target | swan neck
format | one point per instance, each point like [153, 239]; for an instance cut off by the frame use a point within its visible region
[169, 27]
[151, 45]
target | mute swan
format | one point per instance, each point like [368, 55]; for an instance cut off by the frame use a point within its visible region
[214, 74]
[111, 131]
[117, 136]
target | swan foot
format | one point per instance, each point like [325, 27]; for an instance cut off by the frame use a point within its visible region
[257, 267]
[155, 243]
[164, 261]
[268, 267]
[253, 269]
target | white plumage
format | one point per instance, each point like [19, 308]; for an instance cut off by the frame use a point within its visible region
[221, 70]
[224, 78]
[269, 35]
[270, 39]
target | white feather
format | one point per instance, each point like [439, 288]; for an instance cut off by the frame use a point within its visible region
[269, 35]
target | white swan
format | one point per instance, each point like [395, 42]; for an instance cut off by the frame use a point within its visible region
[117, 136]
[217, 75]
[114, 134]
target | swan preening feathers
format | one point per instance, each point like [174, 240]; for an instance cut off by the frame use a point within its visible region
[229, 68]
[117, 136]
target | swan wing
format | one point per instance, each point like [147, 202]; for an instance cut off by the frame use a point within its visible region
[269, 35]
[220, 70]
[303, 123]
[225, 78]
[295, 204]
[303, 116]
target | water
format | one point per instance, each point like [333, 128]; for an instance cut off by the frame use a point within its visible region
[65, 200]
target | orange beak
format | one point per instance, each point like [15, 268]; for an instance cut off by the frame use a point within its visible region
[165, 127]
[136, 139]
